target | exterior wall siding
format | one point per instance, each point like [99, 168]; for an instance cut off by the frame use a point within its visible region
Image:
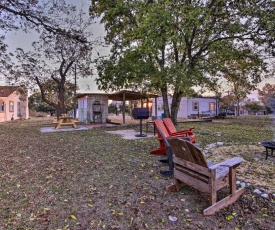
[82, 109]
[203, 106]
[20, 108]
[186, 108]
[183, 111]
[85, 108]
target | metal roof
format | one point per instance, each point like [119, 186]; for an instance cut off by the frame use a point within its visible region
[129, 95]
[119, 96]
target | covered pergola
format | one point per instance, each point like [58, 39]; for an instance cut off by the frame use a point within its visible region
[126, 95]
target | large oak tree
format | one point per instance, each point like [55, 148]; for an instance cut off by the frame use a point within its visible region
[170, 46]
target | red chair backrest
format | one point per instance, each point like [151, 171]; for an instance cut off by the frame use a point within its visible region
[159, 125]
[169, 125]
[172, 129]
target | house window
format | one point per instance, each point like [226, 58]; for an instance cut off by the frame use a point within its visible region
[19, 114]
[160, 107]
[11, 106]
[195, 105]
[211, 106]
[2, 106]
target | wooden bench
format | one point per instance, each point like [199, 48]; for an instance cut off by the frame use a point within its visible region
[191, 168]
[193, 116]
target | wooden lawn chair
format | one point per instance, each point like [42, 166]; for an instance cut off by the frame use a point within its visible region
[160, 126]
[173, 131]
[191, 168]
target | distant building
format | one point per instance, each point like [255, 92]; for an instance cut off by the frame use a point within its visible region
[93, 107]
[190, 107]
[13, 103]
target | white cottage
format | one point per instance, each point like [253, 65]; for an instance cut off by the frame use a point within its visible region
[191, 107]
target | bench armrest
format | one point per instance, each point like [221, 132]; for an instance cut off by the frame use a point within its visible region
[228, 163]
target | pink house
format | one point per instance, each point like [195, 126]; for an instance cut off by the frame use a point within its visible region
[13, 103]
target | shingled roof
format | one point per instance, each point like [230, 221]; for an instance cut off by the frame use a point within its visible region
[5, 91]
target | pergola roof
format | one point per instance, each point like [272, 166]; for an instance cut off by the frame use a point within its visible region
[89, 94]
[129, 95]
[119, 96]
[123, 95]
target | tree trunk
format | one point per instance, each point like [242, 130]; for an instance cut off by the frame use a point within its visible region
[165, 102]
[175, 106]
[238, 107]
[61, 98]
[45, 99]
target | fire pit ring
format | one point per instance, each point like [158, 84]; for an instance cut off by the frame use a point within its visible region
[268, 145]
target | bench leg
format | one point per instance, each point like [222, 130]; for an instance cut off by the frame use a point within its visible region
[57, 125]
[223, 203]
[266, 153]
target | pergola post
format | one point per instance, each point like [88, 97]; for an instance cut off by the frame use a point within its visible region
[156, 107]
[123, 112]
[130, 95]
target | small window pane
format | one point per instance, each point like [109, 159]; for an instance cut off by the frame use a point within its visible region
[11, 106]
[2, 106]
[195, 105]
[19, 114]
[211, 106]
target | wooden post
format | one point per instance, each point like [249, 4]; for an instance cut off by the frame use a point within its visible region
[232, 180]
[156, 107]
[75, 89]
[213, 191]
[123, 109]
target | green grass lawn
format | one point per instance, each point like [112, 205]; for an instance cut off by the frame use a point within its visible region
[94, 180]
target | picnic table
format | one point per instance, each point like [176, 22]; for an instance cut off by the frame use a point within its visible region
[65, 120]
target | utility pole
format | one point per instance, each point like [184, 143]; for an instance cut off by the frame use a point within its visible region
[75, 89]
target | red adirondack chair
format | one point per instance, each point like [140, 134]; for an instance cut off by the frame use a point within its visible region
[173, 131]
[160, 126]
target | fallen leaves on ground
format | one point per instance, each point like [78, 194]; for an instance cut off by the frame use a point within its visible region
[90, 179]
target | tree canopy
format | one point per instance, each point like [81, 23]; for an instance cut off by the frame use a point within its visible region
[37, 14]
[51, 94]
[64, 48]
[242, 75]
[267, 96]
[170, 46]
[253, 106]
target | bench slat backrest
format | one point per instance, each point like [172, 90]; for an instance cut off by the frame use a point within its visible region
[186, 150]
[169, 125]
